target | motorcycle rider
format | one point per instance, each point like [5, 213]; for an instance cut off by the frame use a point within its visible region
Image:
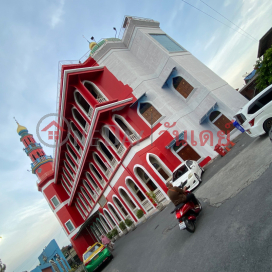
[178, 196]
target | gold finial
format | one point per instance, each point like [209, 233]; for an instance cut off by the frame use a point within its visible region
[19, 128]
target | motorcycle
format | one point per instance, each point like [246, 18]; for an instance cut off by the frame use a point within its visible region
[186, 213]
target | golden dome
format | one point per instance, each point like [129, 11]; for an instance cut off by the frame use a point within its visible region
[92, 45]
[20, 128]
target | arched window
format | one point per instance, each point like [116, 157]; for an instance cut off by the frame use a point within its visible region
[26, 143]
[182, 86]
[90, 190]
[67, 176]
[67, 183]
[69, 169]
[112, 222]
[93, 183]
[149, 183]
[120, 206]
[77, 133]
[100, 226]
[81, 101]
[128, 130]
[70, 161]
[139, 195]
[29, 139]
[130, 203]
[65, 188]
[95, 92]
[38, 154]
[33, 157]
[114, 213]
[113, 141]
[86, 196]
[100, 162]
[102, 165]
[81, 121]
[104, 222]
[80, 211]
[107, 154]
[159, 167]
[97, 174]
[84, 202]
[75, 145]
[149, 112]
[81, 206]
[72, 153]
[221, 121]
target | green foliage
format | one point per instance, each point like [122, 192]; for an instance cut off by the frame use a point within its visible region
[128, 222]
[114, 232]
[109, 235]
[139, 213]
[264, 71]
[152, 196]
[122, 225]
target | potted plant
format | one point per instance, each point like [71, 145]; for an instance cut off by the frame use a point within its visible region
[140, 215]
[123, 227]
[152, 196]
[115, 233]
[130, 224]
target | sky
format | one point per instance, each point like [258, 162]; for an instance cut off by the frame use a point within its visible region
[36, 35]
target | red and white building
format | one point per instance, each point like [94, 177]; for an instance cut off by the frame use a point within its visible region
[123, 112]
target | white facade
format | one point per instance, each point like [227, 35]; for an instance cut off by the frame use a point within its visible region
[147, 67]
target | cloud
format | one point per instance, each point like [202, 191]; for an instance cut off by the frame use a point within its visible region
[57, 14]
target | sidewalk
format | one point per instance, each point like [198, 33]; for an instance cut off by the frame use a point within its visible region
[238, 172]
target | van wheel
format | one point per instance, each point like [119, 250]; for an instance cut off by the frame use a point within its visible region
[267, 125]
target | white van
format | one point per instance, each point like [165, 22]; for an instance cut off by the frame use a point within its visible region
[256, 116]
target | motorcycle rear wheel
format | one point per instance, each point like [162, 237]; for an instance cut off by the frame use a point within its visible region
[190, 225]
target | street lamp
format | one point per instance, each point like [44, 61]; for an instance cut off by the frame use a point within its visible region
[115, 31]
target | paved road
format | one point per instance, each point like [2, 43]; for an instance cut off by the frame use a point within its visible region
[237, 236]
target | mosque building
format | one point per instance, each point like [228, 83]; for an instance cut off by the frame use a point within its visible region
[131, 112]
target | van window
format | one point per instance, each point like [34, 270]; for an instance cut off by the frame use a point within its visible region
[240, 118]
[260, 102]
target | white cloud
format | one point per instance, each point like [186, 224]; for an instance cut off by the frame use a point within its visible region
[57, 14]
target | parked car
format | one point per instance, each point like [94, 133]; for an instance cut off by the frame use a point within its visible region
[95, 256]
[256, 116]
[187, 174]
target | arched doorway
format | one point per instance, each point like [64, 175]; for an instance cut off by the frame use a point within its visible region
[159, 167]
[120, 206]
[139, 195]
[128, 200]
[149, 183]
[114, 213]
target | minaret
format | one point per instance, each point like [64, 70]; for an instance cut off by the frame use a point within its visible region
[42, 165]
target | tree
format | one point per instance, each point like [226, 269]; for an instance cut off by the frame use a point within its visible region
[264, 71]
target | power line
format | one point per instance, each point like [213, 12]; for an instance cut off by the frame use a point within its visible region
[228, 19]
[215, 18]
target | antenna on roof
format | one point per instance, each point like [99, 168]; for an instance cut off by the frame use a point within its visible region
[85, 38]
